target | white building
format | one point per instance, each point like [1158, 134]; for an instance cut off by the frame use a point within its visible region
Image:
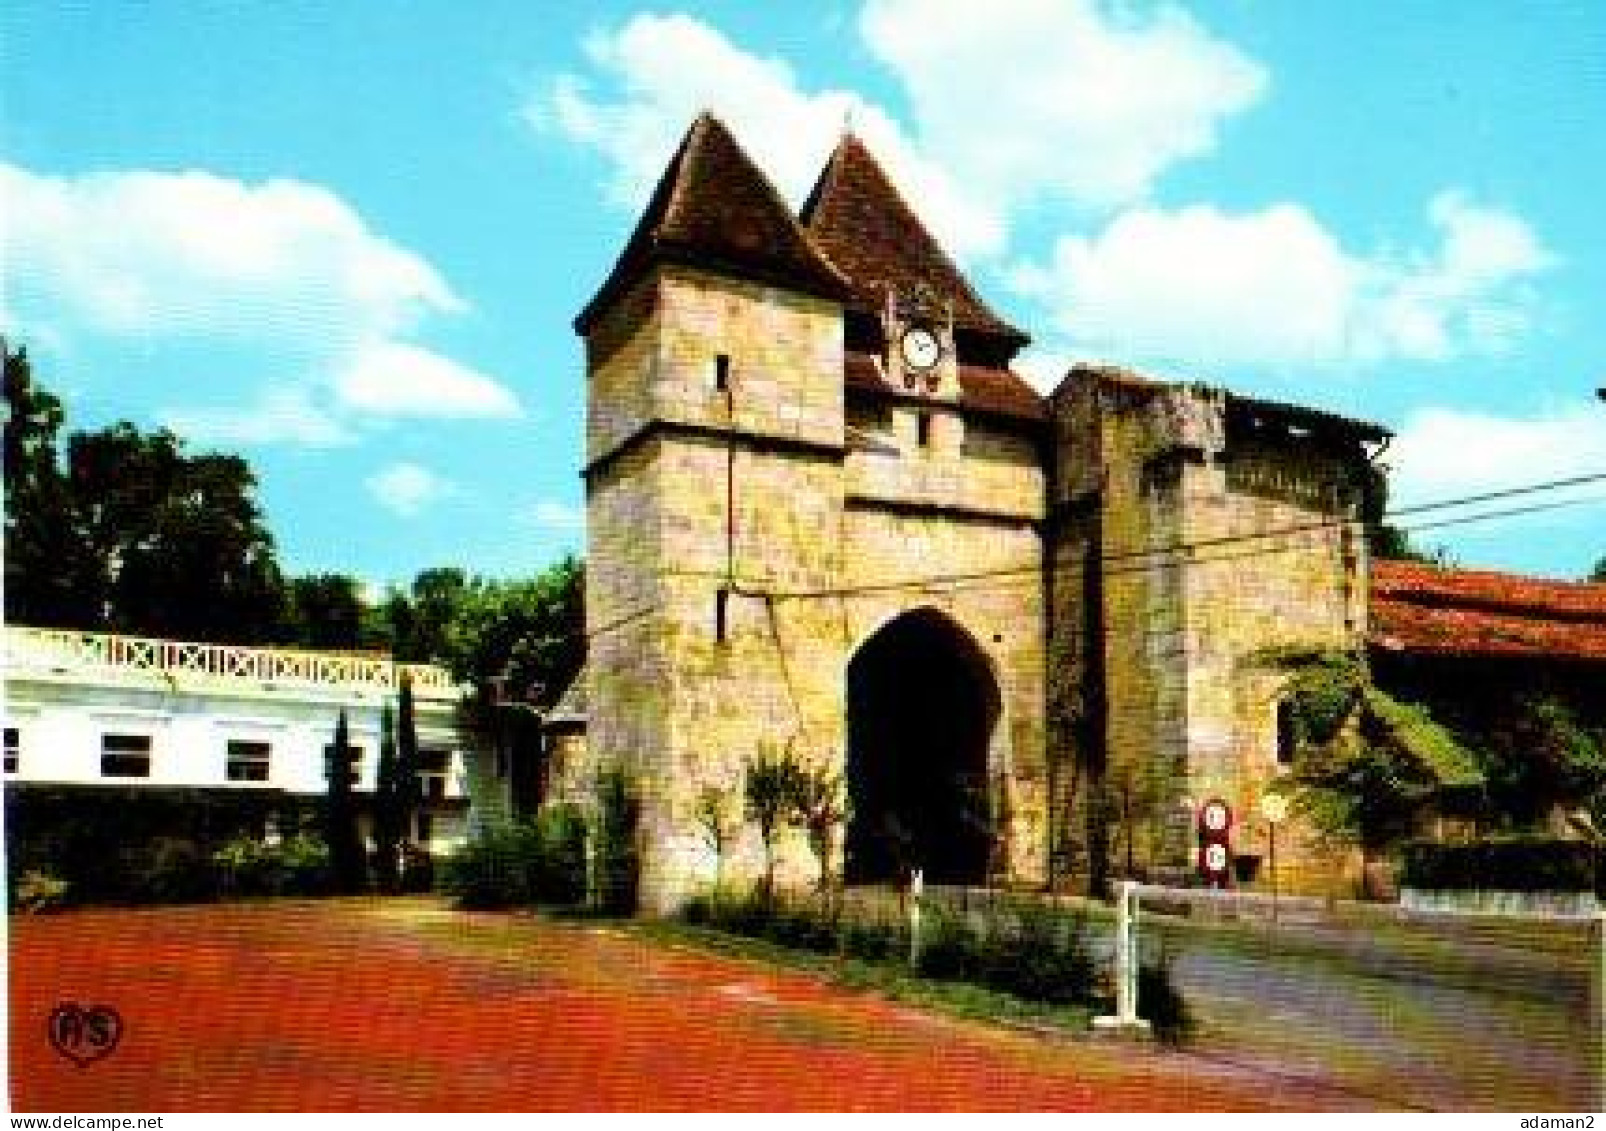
[85, 709]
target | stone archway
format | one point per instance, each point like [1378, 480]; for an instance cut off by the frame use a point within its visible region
[922, 707]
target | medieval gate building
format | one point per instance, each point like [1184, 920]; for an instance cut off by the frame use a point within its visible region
[826, 518]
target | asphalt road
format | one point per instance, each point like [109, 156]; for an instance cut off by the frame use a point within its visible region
[1436, 1015]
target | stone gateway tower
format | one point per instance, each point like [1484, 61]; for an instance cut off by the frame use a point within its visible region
[826, 520]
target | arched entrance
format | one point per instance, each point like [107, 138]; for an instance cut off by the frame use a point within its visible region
[922, 705]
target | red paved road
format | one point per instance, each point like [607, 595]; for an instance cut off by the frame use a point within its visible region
[404, 1005]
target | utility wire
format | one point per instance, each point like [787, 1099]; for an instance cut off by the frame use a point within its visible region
[1174, 554]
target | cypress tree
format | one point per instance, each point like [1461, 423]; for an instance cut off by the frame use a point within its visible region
[346, 857]
[408, 797]
[389, 825]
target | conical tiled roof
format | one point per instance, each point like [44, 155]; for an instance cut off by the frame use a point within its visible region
[714, 208]
[858, 218]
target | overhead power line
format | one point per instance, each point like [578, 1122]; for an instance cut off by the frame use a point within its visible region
[1184, 553]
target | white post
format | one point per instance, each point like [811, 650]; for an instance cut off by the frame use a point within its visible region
[1126, 964]
[917, 886]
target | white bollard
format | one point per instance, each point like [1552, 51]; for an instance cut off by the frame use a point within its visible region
[1126, 1017]
[917, 886]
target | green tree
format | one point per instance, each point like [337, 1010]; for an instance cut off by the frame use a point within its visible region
[820, 808]
[325, 610]
[388, 825]
[1538, 757]
[177, 543]
[346, 855]
[770, 788]
[408, 797]
[528, 634]
[41, 553]
[1599, 572]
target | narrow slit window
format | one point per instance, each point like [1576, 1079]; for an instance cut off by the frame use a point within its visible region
[923, 429]
[721, 609]
[722, 372]
[1287, 740]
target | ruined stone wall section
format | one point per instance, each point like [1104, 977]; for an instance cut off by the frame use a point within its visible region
[1195, 605]
[1292, 580]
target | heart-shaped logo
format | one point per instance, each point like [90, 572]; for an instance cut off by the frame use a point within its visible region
[83, 1035]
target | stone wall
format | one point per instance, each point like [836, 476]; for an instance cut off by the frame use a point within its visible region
[1190, 556]
[695, 492]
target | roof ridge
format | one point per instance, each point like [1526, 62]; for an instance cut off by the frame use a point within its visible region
[714, 208]
[828, 215]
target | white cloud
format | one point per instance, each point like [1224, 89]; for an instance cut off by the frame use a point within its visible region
[397, 379]
[407, 488]
[1445, 453]
[1094, 105]
[654, 74]
[1095, 101]
[1198, 286]
[554, 515]
[282, 416]
[283, 268]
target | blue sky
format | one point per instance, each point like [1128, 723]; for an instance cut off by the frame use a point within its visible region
[348, 239]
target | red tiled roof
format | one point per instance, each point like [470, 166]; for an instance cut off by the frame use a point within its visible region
[1425, 609]
[996, 392]
[714, 208]
[858, 218]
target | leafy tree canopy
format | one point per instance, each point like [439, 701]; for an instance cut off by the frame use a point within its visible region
[127, 531]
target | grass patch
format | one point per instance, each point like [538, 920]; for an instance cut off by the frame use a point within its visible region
[890, 979]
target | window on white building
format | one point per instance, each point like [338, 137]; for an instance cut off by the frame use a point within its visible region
[13, 747]
[125, 755]
[434, 766]
[247, 761]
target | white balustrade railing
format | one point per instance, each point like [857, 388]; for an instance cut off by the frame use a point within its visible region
[66, 651]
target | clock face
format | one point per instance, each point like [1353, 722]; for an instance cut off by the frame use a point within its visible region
[920, 348]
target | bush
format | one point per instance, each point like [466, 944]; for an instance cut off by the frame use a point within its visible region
[37, 891]
[246, 867]
[1162, 1005]
[170, 870]
[618, 856]
[1507, 864]
[304, 863]
[523, 863]
[950, 947]
[1041, 955]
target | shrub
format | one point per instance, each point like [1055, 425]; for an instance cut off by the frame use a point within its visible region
[247, 867]
[618, 855]
[522, 863]
[1040, 955]
[494, 868]
[37, 891]
[560, 873]
[170, 870]
[1508, 864]
[950, 947]
[1162, 1005]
